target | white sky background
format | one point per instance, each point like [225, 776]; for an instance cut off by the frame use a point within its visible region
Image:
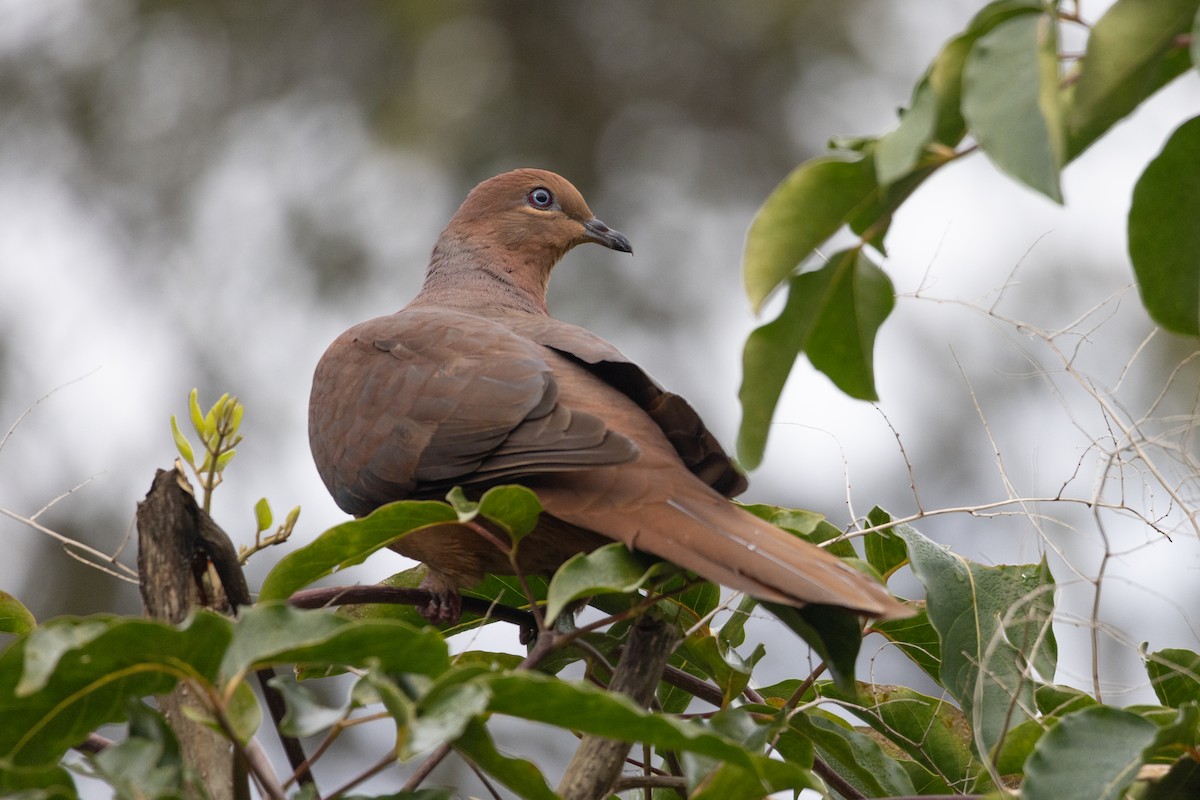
[126, 331]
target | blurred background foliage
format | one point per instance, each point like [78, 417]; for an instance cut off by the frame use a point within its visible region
[206, 193]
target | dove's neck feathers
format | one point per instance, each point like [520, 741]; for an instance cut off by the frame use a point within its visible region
[488, 273]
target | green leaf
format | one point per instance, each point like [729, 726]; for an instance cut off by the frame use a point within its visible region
[262, 515]
[854, 756]
[487, 659]
[243, 713]
[1019, 743]
[703, 653]
[37, 782]
[46, 646]
[672, 699]
[305, 715]
[808, 207]
[730, 782]
[915, 637]
[1179, 729]
[777, 694]
[181, 443]
[196, 415]
[833, 633]
[709, 779]
[224, 459]
[209, 430]
[993, 622]
[15, 617]
[514, 508]
[1010, 100]
[91, 677]
[1092, 754]
[885, 551]
[1058, 701]
[1175, 676]
[1183, 780]
[439, 716]
[611, 569]
[521, 776]
[1164, 232]
[733, 632]
[930, 730]
[1132, 52]
[462, 505]
[350, 543]
[796, 520]
[899, 151]
[378, 687]
[445, 716]
[1194, 50]
[722, 665]
[859, 296]
[274, 633]
[831, 314]
[808, 525]
[833, 540]
[934, 115]
[235, 416]
[149, 724]
[696, 602]
[588, 709]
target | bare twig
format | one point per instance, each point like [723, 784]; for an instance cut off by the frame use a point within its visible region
[29, 410]
[123, 572]
[626, 782]
[427, 766]
[379, 766]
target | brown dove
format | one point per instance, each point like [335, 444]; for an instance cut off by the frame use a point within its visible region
[474, 384]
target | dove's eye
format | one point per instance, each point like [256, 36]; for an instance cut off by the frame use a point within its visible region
[541, 198]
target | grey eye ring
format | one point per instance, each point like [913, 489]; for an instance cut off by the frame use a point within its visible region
[540, 198]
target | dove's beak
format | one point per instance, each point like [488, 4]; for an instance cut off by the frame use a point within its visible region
[596, 231]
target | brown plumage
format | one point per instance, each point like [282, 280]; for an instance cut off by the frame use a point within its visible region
[473, 384]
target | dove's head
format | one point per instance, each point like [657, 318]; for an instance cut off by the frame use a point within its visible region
[514, 227]
[533, 210]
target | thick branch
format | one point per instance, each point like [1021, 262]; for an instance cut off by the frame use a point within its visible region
[326, 596]
[597, 763]
[177, 540]
[169, 552]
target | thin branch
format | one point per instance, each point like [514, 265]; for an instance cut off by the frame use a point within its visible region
[29, 409]
[379, 766]
[908, 467]
[836, 781]
[67, 493]
[1094, 632]
[330, 596]
[427, 766]
[483, 778]
[67, 542]
[627, 782]
[260, 769]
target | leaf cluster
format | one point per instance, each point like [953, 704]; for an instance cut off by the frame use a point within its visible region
[1004, 87]
[983, 635]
